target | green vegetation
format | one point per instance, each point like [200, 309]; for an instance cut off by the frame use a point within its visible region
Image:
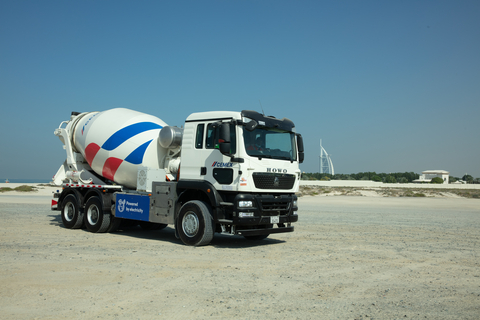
[390, 179]
[23, 188]
[419, 195]
[399, 177]
[466, 193]
[437, 180]
[388, 192]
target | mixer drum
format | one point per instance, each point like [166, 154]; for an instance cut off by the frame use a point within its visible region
[117, 141]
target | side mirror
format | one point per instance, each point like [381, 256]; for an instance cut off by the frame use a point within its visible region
[250, 126]
[301, 154]
[224, 138]
[225, 148]
[300, 143]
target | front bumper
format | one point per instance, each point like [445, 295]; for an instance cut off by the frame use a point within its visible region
[265, 210]
[257, 232]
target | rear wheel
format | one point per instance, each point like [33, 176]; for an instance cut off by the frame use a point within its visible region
[72, 216]
[96, 220]
[195, 224]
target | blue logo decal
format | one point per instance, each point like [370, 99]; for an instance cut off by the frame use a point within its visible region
[218, 164]
[131, 206]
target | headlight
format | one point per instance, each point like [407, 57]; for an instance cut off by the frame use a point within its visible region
[295, 204]
[245, 204]
[245, 214]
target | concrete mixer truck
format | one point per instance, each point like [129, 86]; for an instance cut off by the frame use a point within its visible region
[228, 172]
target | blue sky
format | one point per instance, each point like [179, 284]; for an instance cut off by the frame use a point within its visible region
[389, 86]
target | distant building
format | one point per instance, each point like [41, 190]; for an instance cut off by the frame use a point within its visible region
[428, 175]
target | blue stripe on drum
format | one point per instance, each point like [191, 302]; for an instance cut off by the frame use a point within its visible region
[126, 133]
[136, 157]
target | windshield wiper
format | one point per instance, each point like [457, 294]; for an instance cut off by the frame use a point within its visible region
[260, 156]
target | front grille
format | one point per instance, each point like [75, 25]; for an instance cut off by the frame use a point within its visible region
[273, 207]
[273, 180]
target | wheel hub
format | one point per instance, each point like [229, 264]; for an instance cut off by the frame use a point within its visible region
[69, 212]
[92, 215]
[190, 224]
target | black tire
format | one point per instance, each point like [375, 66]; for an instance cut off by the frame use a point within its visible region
[194, 223]
[146, 225]
[72, 216]
[96, 220]
[114, 221]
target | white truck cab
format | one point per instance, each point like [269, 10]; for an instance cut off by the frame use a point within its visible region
[251, 163]
[259, 154]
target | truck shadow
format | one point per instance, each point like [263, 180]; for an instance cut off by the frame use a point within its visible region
[219, 240]
[56, 220]
[239, 242]
[168, 234]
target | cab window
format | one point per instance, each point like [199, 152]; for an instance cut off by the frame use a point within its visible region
[211, 140]
[199, 136]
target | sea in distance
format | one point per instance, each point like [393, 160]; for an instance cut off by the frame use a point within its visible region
[25, 180]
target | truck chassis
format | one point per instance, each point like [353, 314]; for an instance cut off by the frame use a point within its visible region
[195, 209]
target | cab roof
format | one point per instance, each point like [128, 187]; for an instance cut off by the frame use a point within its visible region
[214, 115]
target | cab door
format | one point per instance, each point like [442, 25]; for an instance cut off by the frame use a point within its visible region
[205, 161]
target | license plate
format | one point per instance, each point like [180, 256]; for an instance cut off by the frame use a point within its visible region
[275, 219]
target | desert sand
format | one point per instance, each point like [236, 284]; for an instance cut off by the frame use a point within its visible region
[350, 257]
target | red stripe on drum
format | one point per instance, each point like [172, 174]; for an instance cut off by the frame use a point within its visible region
[110, 167]
[90, 152]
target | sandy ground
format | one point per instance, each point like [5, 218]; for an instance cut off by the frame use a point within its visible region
[349, 258]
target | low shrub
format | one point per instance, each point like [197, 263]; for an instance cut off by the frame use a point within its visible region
[23, 188]
[437, 180]
[419, 194]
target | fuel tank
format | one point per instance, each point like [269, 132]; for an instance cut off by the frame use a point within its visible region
[116, 142]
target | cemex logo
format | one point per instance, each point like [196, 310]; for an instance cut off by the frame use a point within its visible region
[218, 164]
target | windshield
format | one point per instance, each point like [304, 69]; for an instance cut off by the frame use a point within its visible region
[270, 143]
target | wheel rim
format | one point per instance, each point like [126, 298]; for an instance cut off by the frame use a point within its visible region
[93, 214]
[190, 224]
[69, 212]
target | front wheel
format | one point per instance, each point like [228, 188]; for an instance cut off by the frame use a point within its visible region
[96, 220]
[195, 223]
[72, 216]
